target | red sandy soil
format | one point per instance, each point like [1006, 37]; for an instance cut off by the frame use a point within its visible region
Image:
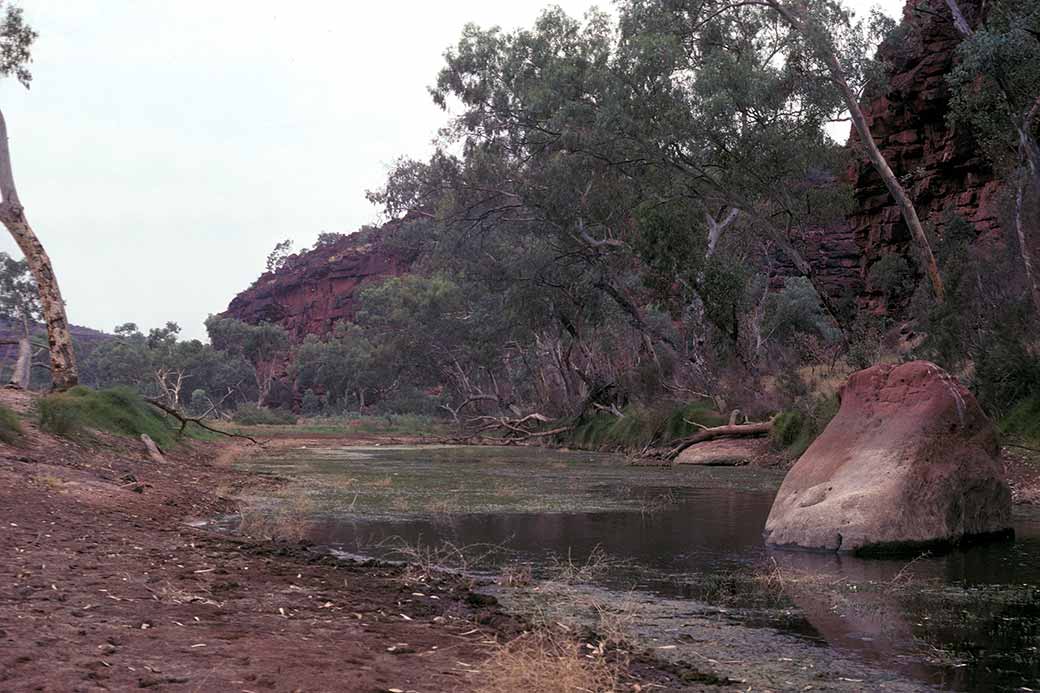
[105, 586]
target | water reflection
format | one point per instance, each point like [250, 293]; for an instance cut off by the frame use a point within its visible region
[966, 620]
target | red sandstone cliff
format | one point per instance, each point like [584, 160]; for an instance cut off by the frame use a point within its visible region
[939, 164]
[316, 288]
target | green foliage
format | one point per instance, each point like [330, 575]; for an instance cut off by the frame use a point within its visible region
[788, 427]
[996, 78]
[409, 400]
[892, 276]
[341, 366]
[795, 430]
[16, 39]
[311, 403]
[1023, 420]
[19, 297]
[251, 415]
[642, 426]
[118, 410]
[796, 310]
[1007, 371]
[277, 258]
[722, 289]
[11, 431]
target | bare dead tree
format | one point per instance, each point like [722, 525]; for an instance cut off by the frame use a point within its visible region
[170, 381]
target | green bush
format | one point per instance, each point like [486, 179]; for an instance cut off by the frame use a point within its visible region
[892, 276]
[641, 426]
[794, 430]
[788, 426]
[1007, 372]
[118, 410]
[252, 415]
[10, 427]
[1023, 421]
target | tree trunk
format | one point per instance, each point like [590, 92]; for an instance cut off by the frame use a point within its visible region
[895, 188]
[63, 359]
[23, 365]
[1023, 242]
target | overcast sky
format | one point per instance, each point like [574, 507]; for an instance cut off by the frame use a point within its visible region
[167, 145]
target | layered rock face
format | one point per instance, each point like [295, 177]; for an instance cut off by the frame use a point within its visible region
[315, 289]
[940, 165]
[910, 459]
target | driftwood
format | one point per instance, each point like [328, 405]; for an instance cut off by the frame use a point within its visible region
[153, 450]
[454, 411]
[198, 421]
[521, 428]
[730, 430]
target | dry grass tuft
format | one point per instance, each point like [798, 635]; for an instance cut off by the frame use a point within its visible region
[543, 662]
[287, 521]
[571, 572]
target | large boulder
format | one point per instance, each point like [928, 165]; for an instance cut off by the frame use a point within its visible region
[909, 460]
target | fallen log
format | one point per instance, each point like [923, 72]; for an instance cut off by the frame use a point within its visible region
[730, 430]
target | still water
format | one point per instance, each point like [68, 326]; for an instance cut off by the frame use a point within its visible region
[684, 539]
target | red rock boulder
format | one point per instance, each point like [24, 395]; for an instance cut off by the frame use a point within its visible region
[909, 460]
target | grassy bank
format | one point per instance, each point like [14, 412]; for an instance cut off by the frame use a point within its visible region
[119, 410]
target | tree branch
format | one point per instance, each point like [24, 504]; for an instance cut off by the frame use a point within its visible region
[197, 420]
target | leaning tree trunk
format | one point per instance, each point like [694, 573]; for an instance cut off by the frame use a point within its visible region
[63, 359]
[23, 365]
[822, 42]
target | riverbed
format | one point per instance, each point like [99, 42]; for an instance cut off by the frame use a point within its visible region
[673, 556]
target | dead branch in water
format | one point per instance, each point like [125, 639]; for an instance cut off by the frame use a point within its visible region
[517, 429]
[198, 421]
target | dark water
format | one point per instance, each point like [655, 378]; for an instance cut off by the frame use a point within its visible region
[968, 620]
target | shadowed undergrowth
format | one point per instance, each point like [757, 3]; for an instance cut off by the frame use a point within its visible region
[10, 427]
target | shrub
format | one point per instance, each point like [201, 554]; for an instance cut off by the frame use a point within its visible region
[795, 430]
[10, 427]
[1023, 421]
[312, 404]
[892, 276]
[641, 426]
[1007, 372]
[252, 415]
[118, 410]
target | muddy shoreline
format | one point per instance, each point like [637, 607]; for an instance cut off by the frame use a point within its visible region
[108, 583]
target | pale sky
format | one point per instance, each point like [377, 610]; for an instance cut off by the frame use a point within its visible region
[167, 145]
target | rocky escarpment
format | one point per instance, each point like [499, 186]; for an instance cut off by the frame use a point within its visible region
[315, 289]
[939, 164]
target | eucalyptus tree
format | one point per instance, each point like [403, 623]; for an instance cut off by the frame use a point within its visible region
[16, 39]
[996, 92]
[19, 305]
[340, 366]
[265, 346]
[833, 51]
